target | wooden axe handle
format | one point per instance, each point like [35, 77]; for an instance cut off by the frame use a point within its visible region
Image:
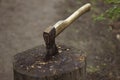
[51, 32]
[85, 8]
[61, 25]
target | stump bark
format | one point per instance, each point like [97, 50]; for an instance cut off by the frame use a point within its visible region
[69, 64]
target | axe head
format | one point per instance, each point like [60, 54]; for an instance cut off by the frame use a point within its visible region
[49, 37]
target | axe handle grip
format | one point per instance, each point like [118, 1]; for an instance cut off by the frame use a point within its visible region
[85, 8]
[61, 25]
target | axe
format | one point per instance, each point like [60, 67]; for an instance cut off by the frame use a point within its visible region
[52, 32]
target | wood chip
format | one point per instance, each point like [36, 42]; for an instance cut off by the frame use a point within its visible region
[118, 36]
[60, 51]
[42, 63]
[50, 69]
[39, 67]
[81, 58]
[32, 66]
[27, 68]
[76, 67]
[67, 49]
[54, 72]
[43, 70]
[21, 65]
[59, 47]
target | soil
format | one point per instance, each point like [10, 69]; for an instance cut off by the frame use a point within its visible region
[32, 63]
[100, 40]
[21, 27]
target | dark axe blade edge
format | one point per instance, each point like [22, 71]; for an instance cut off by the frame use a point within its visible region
[49, 37]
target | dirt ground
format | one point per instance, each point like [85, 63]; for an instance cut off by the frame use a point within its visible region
[21, 27]
[23, 21]
[98, 39]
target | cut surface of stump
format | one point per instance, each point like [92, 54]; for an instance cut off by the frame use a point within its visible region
[69, 64]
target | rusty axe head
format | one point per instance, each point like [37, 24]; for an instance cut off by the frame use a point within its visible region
[49, 37]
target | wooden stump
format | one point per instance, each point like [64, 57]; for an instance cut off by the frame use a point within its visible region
[69, 64]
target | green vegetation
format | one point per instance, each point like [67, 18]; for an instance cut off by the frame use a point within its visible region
[113, 13]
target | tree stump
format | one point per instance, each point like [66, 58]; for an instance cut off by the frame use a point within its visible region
[69, 64]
